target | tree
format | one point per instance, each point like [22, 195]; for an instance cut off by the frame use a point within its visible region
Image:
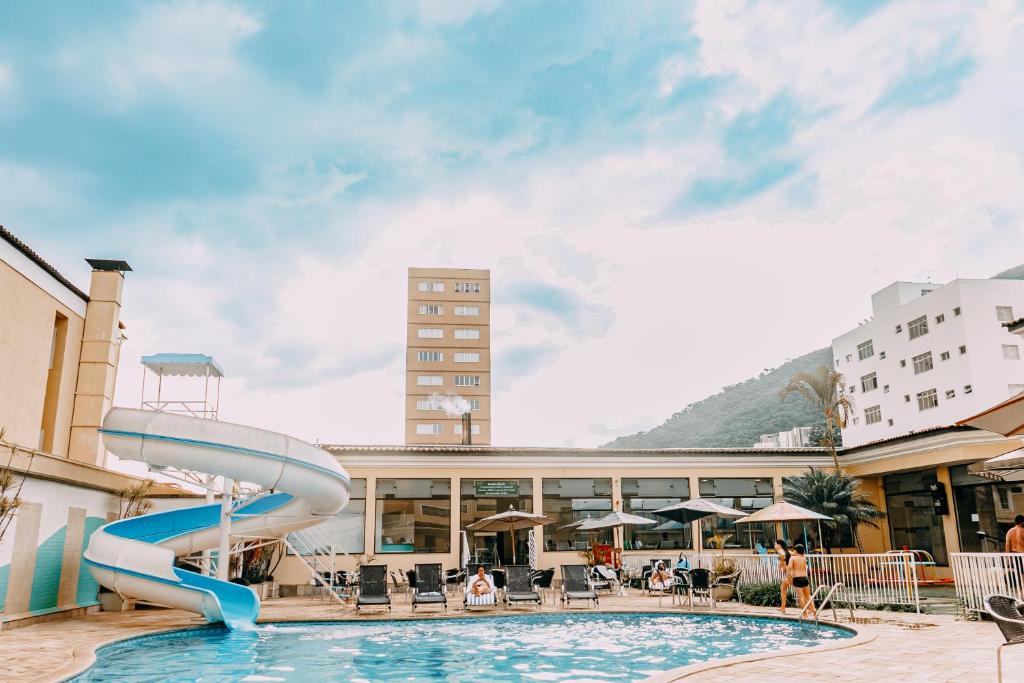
[10, 494]
[835, 494]
[132, 499]
[825, 390]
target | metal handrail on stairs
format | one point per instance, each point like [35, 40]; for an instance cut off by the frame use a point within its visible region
[318, 557]
[827, 601]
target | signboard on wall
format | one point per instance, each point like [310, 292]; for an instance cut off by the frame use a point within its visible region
[496, 488]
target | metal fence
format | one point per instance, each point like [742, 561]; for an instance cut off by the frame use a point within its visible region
[868, 579]
[979, 574]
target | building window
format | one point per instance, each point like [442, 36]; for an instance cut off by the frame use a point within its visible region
[963, 350]
[940, 318]
[748, 495]
[912, 520]
[865, 350]
[849, 358]
[413, 515]
[926, 291]
[944, 355]
[1011, 352]
[431, 287]
[467, 287]
[484, 497]
[968, 388]
[429, 380]
[950, 393]
[1015, 389]
[881, 355]
[467, 310]
[642, 496]
[856, 421]
[431, 309]
[956, 311]
[872, 415]
[927, 399]
[889, 422]
[345, 529]
[428, 404]
[918, 327]
[885, 389]
[429, 429]
[1004, 314]
[467, 334]
[430, 356]
[869, 382]
[430, 333]
[923, 363]
[572, 500]
[903, 363]
[467, 380]
[467, 357]
[899, 328]
[906, 398]
[473, 429]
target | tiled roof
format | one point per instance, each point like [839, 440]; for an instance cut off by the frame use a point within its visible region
[9, 237]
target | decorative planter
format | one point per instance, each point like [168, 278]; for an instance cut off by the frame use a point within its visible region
[723, 593]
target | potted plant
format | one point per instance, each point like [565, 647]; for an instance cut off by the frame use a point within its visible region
[722, 566]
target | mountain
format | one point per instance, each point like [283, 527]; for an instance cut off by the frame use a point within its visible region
[738, 415]
[1015, 273]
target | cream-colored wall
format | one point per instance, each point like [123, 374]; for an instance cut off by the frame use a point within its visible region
[27, 315]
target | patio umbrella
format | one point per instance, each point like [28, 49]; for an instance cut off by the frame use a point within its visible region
[509, 521]
[694, 509]
[670, 525]
[785, 512]
[1006, 418]
[614, 520]
[574, 525]
[1007, 467]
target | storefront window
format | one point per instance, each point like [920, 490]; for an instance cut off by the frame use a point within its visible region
[344, 531]
[482, 498]
[640, 497]
[984, 510]
[913, 524]
[413, 515]
[746, 495]
[572, 500]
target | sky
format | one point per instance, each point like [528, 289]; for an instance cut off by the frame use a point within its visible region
[671, 196]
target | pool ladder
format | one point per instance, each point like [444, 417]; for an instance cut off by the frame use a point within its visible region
[826, 602]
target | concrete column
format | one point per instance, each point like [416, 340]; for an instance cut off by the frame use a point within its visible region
[23, 560]
[370, 523]
[948, 521]
[777, 496]
[71, 563]
[698, 542]
[456, 523]
[538, 507]
[97, 367]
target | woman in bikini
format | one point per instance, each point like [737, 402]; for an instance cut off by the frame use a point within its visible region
[798, 574]
[782, 550]
[479, 585]
[661, 577]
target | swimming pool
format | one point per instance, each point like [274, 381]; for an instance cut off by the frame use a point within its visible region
[542, 647]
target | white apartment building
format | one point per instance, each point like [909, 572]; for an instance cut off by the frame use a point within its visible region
[798, 437]
[930, 355]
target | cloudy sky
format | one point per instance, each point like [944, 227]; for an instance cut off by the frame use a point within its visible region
[670, 196]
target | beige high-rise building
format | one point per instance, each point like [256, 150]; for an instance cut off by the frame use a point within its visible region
[448, 356]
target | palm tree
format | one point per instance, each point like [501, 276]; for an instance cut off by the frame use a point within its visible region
[825, 390]
[835, 494]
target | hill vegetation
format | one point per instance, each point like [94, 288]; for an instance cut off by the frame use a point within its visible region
[737, 415]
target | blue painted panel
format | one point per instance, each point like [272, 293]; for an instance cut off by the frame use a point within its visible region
[46, 579]
[88, 588]
[5, 571]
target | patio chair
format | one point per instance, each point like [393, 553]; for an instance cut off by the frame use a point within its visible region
[1006, 612]
[519, 587]
[730, 580]
[682, 586]
[399, 585]
[662, 588]
[429, 583]
[576, 585]
[453, 578]
[603, 578]
[701, 585]
[373, 587]
[541, 580]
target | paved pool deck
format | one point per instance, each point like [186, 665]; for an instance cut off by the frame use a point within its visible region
[905, 647]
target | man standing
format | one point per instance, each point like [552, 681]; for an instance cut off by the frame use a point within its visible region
[1015, 536]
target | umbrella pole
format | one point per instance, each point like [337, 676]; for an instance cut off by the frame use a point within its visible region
[512, 535]
[821, 539]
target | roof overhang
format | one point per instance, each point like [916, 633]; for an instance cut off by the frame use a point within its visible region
[1006, 418]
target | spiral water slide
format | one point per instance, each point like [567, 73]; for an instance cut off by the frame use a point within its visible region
[135, 557]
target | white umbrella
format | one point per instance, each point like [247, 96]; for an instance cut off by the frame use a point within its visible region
[696, 508]
[574, 525]
[785, 512]
[509, 521]
[613, 519]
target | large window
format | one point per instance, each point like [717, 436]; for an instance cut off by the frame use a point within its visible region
[467, 380]
[918, 327]
[1004, 313]
[344, 531]
[923, 363]
[913, 523]
[431, 287]
[640, 497]
[481, 498]
[572, 500]
[1011, 352]
[430, 356]
[467, 357]
[429, 380]
[984, 510]
[413, 515]
[431, 309]
[872, 415]
[430, 333]
[465, 333]
[869, 382]
[748, 495]
[865, 349]
[927, 400]
[467, 310]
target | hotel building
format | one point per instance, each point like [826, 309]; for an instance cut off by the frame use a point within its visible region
[448, 356]
[930, 355]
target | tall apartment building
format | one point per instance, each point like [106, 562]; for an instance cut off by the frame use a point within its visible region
[448, 355]
[930, 355]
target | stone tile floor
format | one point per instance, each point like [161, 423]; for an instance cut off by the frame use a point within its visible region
[905, 647]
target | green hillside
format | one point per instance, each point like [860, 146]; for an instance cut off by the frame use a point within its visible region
[737, 415]
[1015, 273]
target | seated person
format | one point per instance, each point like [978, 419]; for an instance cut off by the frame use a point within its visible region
[661, 578]
[480, 588]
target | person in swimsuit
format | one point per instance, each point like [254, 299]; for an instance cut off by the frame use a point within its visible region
[782, 550]
[661, 577]
[1015, 536]
[479, 585]
[798, 575]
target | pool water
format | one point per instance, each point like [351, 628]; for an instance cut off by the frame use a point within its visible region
[542, 647]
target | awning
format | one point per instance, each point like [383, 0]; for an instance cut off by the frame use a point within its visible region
[1006, 418]
[183, 365]
[1005, 467]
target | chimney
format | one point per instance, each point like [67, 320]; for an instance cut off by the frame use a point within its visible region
[467, 429]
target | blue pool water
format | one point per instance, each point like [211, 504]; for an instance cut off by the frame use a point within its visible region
[542, 647]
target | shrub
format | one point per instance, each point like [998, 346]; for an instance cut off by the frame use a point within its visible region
[764, 594]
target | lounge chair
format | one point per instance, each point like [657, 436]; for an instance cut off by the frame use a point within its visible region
[576, 585]
[487, 600]
[373, 587]
[701, 585]
[453, 578]
[519, 586]
[1006, 612]
[429, 586]
[604, 579]
[662, 588]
